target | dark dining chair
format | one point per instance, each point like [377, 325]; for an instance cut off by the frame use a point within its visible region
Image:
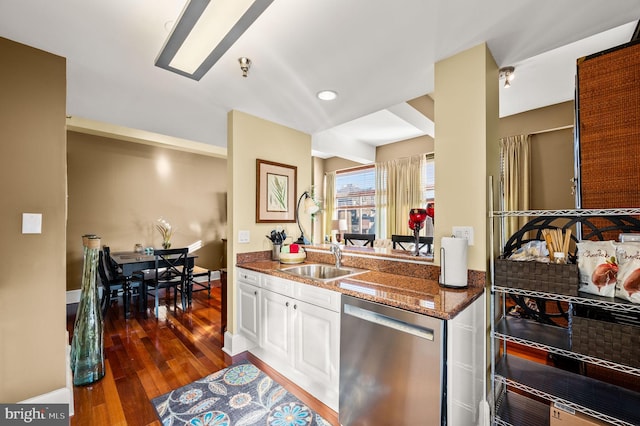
[364, 239]
[199, 271]
[114, 285]
[171, 271]
[403, 241]
[195, 285]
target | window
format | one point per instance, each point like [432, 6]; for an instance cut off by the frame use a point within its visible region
[355, 199]
[429, 179]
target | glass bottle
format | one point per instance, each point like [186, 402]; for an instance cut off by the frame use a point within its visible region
[87, 345]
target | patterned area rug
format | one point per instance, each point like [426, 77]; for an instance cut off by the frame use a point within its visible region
[239, 395]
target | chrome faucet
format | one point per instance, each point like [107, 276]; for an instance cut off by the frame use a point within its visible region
[337, 252]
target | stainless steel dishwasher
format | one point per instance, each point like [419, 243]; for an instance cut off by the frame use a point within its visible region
[391, 369]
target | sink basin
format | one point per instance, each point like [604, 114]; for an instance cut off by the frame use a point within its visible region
[321, 272]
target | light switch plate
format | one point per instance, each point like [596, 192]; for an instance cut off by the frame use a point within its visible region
[32, 223]
[464, 232]
[243, 237]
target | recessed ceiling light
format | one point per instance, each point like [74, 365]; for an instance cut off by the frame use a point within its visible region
[327, 95]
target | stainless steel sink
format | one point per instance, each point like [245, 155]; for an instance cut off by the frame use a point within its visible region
[321, 272]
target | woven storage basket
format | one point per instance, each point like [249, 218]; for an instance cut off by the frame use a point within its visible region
[607, 340]
[537, 276]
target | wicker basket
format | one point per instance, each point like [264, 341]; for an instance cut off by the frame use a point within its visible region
[537, 276]
[610, 341]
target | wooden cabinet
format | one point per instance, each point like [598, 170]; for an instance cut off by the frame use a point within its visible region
[608, 118]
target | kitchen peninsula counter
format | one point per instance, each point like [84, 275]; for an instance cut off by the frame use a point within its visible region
[392, 283]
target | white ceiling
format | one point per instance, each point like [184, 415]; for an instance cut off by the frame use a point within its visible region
[375, 53]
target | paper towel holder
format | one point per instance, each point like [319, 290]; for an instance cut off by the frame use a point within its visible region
[443, 271]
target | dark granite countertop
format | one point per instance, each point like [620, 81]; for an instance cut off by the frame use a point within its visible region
[421, 295]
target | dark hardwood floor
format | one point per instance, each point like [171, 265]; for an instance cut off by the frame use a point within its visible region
[147, 357]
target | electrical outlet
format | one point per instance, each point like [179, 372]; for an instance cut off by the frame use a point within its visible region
[243, 237]
[464, 232]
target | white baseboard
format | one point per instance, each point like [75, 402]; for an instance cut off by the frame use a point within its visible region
[215, 275]
[235, 344]
[73, 296]
[58, 396]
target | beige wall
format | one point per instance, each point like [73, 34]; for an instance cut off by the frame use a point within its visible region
[251, 138]
[336, 163]
[32, 284]
[552, 168]
[466, 91]
[119, 189]
[318, 192]
[424, 104]
[538, 120]
[552, 152]
[406, 148]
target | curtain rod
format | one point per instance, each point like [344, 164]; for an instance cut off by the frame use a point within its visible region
[568, 126]
[539, 132]
[428, 155]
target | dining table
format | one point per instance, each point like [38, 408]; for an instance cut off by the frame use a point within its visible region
[132, 263]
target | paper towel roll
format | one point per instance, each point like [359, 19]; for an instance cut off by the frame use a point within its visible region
[453, 262]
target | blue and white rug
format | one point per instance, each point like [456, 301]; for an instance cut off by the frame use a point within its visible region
[240, 395]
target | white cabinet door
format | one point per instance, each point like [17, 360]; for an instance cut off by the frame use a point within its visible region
[249, 311]
[276, 325]
[466, 350]
[316, 342]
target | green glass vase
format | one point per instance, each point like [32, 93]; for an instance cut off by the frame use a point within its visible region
[87, 345]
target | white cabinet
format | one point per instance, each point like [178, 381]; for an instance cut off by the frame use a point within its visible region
[277, 325]
[466, 365]
[296, 328]
[301, 335]
[317, 342]
[249, 307]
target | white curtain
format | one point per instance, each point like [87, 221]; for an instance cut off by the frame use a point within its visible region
[399, 188]
[515, 179]
[329, 202]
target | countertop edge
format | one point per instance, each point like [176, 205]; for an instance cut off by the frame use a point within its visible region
[473, 293]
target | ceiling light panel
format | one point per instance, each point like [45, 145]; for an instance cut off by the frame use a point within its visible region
[205, 31]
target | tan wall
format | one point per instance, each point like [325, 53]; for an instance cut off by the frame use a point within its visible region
[552, 152]
[467, 92]
[336, 163]
[32, 283]
[424, 104]
[406, 148]
[538, 120]
[251, 138]
[552, 168]
[318, 186]
[119, 189]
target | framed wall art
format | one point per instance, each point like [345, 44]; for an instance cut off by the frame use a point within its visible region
[275, 192]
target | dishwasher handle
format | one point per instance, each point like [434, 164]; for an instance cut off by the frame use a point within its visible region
[386, 321]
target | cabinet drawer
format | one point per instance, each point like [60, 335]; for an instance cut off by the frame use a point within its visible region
[249, 277]
[278, 285]
[318, 296]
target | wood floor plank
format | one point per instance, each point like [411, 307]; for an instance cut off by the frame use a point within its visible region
[146, 357]
[112, 405]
